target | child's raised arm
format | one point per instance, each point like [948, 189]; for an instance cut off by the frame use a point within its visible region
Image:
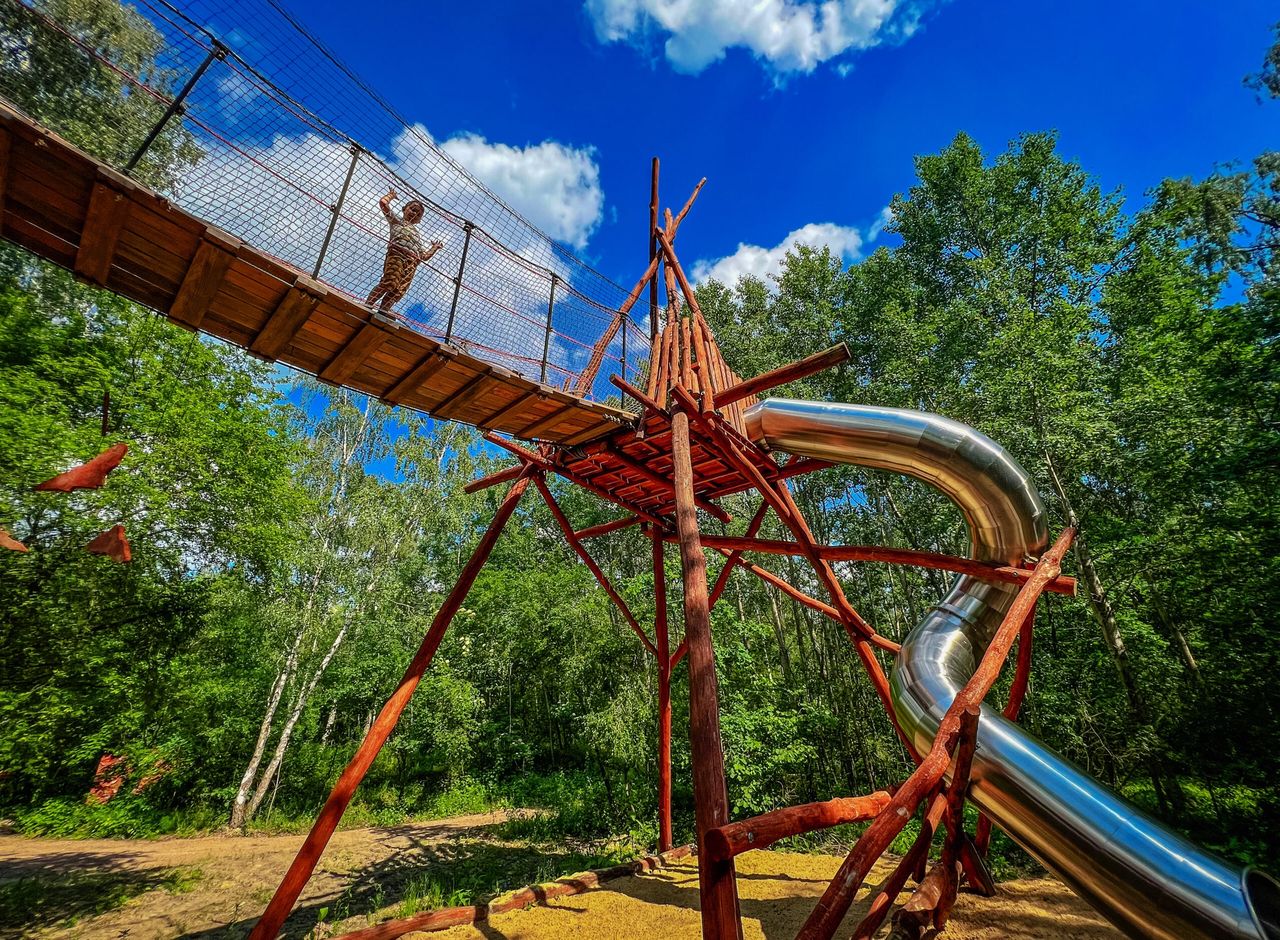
[385, 203]
[431, 250]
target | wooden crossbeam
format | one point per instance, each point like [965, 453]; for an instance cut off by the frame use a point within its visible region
[353, 355]
[416, 377]
[1006, 574]
[287, 319]
[783, 374]
[519, 405]
[538, 460]
[590, 432]
[466, 393]
[550, 421]
[108, 212]
[201, 284]
[662, 482]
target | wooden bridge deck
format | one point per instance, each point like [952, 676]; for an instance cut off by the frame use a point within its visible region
[72, 210]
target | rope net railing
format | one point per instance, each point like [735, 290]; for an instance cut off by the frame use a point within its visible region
[274, 140]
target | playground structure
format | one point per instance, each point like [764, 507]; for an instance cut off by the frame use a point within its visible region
[700, 434]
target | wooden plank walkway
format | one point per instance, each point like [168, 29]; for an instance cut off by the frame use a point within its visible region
[71, 209]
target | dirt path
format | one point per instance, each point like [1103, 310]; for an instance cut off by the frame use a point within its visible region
[215, 887]
[206, 887]
[777, 890]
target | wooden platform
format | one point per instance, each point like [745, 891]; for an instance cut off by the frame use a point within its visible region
[69, 208]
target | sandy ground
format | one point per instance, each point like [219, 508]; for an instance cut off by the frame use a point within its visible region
[777, 890]
[235, 876]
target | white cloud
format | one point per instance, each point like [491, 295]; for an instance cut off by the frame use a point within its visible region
[791, 35]
[877, 227]
[763, 263]
[554, 186]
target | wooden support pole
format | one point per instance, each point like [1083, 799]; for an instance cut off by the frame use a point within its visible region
[662, 482]
[835, 901]
[719, 890]
[1017, 692]
[662, 635]
[587, 560]
[789, 373]
[304, 862]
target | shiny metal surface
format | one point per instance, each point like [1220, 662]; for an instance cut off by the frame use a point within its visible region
[1145, 879]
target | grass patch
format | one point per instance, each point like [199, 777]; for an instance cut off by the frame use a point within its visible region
[42, 901]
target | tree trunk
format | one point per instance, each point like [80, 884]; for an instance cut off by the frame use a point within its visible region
[239, 816]
[1163, 779]
[286, 733]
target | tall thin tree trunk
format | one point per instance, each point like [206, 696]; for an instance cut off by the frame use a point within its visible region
[1163, 778]
[286, 733]
[238, 808]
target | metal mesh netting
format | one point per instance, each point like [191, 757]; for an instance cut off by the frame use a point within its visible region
[287, 149]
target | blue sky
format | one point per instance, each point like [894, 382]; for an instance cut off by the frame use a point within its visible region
[799, 125]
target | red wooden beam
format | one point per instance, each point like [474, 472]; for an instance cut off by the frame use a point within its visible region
[587, 560]
[893, 885]
[638, 395]
[604, 528]
[800, 369]
[494, 479]
[1017, 692]
[539, 461]
[718, 888]
[304, 862]
[762, 831]
[661, 482]
[661, 634]
[732, 559]
[1006, 574]
[835, 901]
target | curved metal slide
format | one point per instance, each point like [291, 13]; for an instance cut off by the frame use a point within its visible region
[1147, 880]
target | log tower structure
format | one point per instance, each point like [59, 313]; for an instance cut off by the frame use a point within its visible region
[687, 448]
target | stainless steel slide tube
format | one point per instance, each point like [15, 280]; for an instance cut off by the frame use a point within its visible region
[1148, 881]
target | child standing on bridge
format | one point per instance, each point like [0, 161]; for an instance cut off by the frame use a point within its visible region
[405, 251]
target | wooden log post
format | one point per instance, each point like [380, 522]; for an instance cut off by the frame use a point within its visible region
[835, 901]
[1017, 692]
[719, 890]
[662, 638]
[304, 862]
